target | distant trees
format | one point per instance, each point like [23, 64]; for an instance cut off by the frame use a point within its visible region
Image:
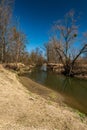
[36, 57]
[67, 32]
[51, 54]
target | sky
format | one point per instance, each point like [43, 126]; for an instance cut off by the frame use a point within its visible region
[38, 16]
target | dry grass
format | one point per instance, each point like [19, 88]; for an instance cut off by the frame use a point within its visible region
[23, 110]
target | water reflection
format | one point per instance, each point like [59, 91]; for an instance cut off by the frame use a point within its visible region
[74, 90]
[66, 84]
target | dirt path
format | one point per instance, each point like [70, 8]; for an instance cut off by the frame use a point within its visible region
[21, 109]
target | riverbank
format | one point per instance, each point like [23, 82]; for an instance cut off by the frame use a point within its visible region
[79, 71]
[41, 90]
[22, 69]
[21, 109]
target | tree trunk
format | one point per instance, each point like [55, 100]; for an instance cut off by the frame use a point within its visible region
[3, 51]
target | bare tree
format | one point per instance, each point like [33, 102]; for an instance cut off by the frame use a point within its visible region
[51, 54]
[67, 32]
[5, 14]
[17, 44]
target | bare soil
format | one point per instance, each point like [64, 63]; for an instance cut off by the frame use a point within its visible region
[21, 109]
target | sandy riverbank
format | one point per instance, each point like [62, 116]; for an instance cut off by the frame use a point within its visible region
[21, 109]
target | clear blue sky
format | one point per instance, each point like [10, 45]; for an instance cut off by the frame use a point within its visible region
[38, 16]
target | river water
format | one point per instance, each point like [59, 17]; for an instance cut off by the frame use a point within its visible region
[73, 90]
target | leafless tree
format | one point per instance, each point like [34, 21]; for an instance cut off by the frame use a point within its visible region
[67, 32]
[17, 44]
[5, 15]
[51, 54]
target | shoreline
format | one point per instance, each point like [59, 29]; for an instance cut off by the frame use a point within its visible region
[41, 90]
[22, 69]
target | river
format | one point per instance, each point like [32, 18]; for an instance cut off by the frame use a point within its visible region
[73, 90]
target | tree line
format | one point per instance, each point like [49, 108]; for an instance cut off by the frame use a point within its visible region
[12, 40]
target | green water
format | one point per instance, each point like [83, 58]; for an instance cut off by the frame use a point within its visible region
[73, 90]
